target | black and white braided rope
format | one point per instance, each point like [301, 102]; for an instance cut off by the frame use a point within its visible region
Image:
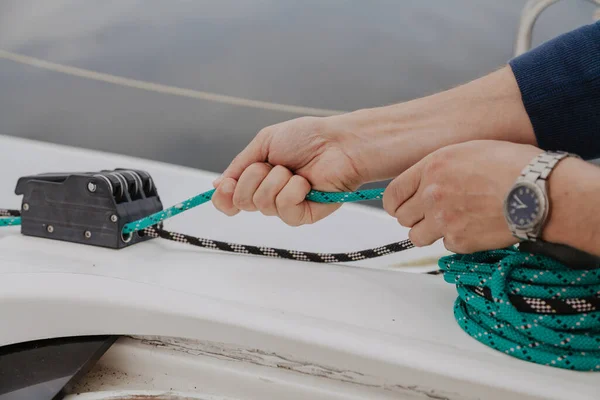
[521, 303]
[156, 231]
[9, 213]
[297, 255]
[555, 306]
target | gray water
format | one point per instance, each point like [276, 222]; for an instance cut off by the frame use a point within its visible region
[333, 54]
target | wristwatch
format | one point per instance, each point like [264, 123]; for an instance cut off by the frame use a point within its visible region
[527, 205]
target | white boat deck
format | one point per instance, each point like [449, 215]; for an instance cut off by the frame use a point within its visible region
[384, 327]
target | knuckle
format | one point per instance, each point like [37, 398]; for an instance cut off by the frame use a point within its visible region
[404, 219]
[280, 170]
[445, 218]
[261, 201]
[265, 132]
[300, 182]
[242, 202]
[390, 199]
[387, 203]
[265, 204]
[293, 193]
[309, 122]
[398, 191]
[258, 169]
[434, 194]
[282, 201]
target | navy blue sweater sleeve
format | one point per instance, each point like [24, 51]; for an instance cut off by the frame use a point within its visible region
[560, 87]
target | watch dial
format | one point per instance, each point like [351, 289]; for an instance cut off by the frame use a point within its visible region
[523, 206]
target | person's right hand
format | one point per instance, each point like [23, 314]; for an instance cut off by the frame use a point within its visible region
[275, 172]
[283, 162]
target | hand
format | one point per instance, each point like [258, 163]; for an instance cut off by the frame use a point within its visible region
[275, 172]
[457, 193]
[342, 152]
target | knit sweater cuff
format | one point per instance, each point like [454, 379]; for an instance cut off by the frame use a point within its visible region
[560, 88]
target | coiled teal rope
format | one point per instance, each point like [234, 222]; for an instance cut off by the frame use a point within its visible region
[313, 195]
[563, 341]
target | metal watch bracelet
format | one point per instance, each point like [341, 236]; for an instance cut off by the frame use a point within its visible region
[537, 170]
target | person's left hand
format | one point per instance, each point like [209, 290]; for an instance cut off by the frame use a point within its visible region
[457, 193]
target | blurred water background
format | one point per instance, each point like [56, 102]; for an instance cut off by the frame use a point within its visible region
[332, 54]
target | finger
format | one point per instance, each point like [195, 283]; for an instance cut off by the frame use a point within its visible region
[223, 197]
[411, 212]
[457, 244]
[265, 195]
[255, 151]
[402, 188]
[424, 233]
[294, 209]
[249, 181]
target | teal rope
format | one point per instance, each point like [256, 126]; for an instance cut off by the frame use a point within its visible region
[313, 195]
[151, 220]
[10, 221]
[160, 216]
[563, 341]
[345, 197]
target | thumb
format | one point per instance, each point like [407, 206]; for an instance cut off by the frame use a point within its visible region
[255, 151]
[402, 188]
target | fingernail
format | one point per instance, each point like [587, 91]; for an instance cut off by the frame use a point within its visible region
[228, 187]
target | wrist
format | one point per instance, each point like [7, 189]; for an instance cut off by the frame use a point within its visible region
[390, 139]
[573, 219]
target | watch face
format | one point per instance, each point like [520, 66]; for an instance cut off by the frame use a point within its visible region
[524, 206]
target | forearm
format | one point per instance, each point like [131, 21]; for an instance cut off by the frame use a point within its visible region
[560, 84]
[574, 219]
[487, 108]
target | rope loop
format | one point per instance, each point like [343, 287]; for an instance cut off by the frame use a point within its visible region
[528, 306]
